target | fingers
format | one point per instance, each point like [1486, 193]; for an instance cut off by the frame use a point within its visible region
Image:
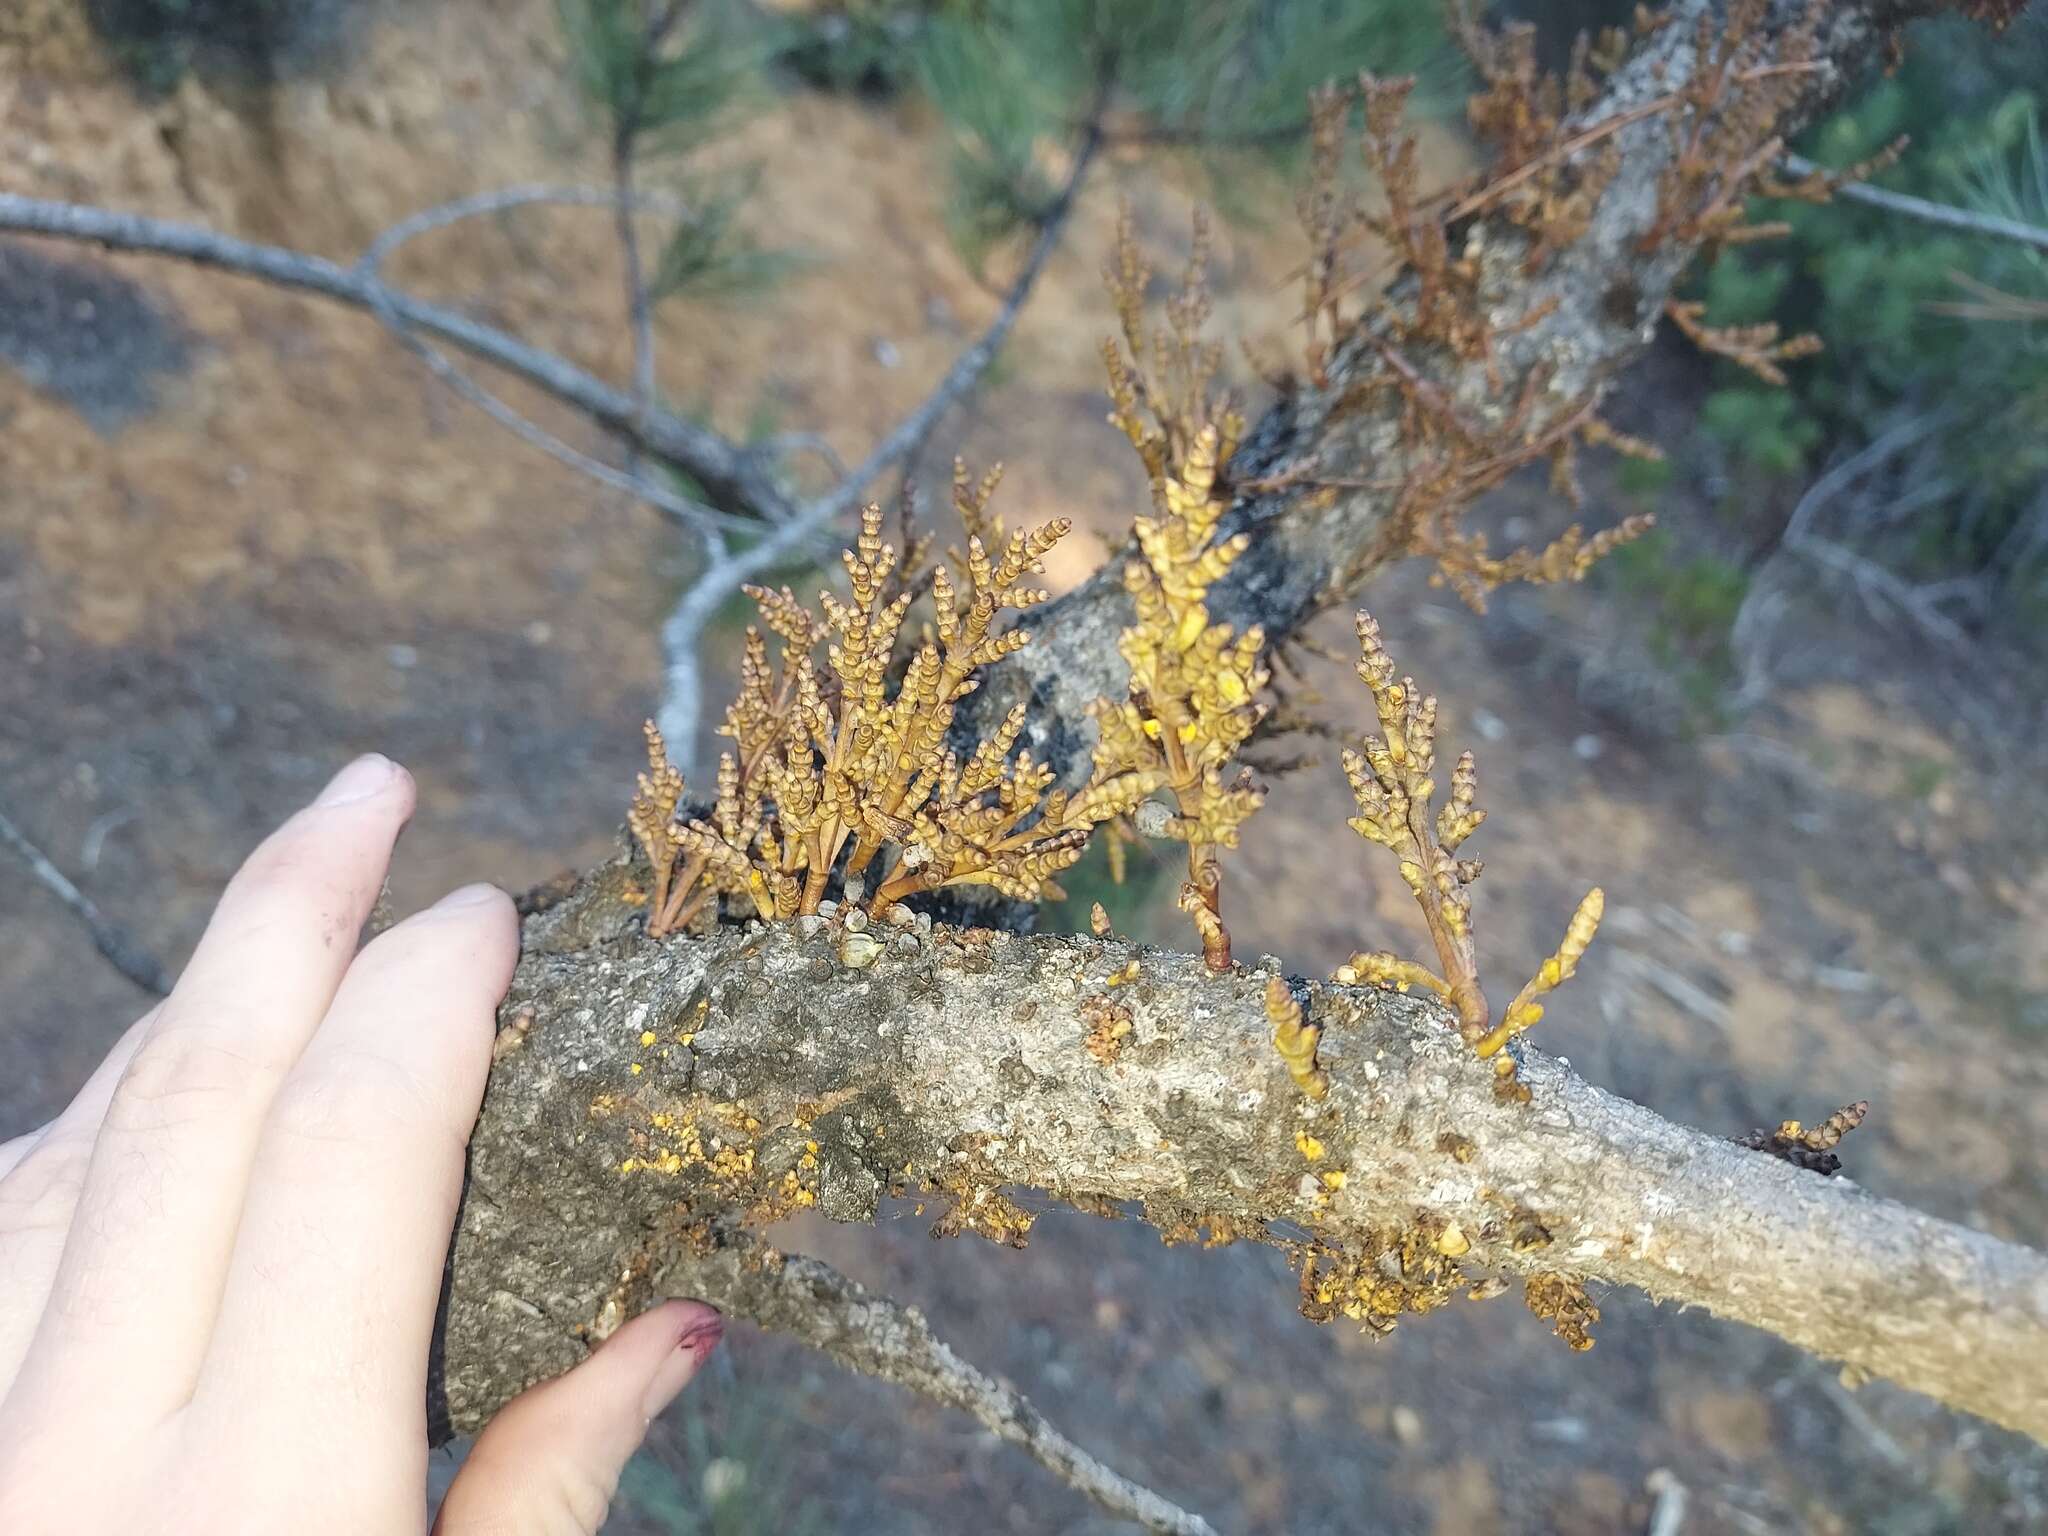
[140, 1278]
[337, 1266]
[38, 1194]
[549, 1463]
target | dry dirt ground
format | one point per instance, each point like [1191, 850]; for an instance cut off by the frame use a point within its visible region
[243, 536]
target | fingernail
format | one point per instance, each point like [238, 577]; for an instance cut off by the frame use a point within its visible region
[468, 896]
[703, 1337]
[681, 1363]
[368, 776]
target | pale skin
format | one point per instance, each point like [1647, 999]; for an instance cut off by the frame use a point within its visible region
[219, 1264]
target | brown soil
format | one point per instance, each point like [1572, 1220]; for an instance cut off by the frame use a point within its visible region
[242, 536]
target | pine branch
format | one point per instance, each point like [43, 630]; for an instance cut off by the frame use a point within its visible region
[908, 436]
[691, 515]
[503, 200]
[660, 1089]
[657, 26]
[960, 1063]
[1319, 479]
[1922, 210]
[735, 480]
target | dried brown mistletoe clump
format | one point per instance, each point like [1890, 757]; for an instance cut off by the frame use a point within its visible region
[1378, 1279]
[843, 770]
[1454, 306]
[1393, 779]
[1564, 1304]
[1758, 348]
[1545, 178]
[1812, 1149]
[1724, 124]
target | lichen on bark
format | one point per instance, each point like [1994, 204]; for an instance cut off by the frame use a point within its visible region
[959, 1065]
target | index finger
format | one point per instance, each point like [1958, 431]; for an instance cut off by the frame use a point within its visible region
[139, 1281]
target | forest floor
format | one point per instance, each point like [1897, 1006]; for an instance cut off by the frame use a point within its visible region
[243, 536]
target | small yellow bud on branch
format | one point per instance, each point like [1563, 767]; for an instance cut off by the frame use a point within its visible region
[1295, 1040]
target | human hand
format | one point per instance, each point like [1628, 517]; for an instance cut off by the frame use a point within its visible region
[219, 1265]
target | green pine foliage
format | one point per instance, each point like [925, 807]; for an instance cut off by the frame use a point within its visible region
[669, 97]
[857, 47]
[675, 95]
[1216, 77]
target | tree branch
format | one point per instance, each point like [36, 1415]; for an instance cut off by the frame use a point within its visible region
[1921, 210]
[656, 26]
[734, 479]
[651, 1100]
[504, 200]
[815, 1304]
[120, 948]
[691, 515]
[775, 1078]
[1322, 470]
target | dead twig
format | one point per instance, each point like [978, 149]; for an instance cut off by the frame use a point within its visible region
[121, 948]
[1922, 210]
[1770, 597]
[880, 1337]
[505, 200]
[1667, 1517]
[384, 303]
[625, 153]
[908, 436]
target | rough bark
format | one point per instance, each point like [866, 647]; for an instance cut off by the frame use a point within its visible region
[958, 1063]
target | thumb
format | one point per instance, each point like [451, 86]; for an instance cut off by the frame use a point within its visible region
[549, 1463]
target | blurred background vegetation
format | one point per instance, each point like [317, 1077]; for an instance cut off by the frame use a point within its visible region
[1883, 293]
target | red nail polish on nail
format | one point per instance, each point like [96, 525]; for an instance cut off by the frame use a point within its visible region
[703, 1337]
[675, 1368]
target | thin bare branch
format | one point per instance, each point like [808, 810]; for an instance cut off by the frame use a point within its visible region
[682, 705]
[692, 515]
[504, 200]
[639, 306]
[1942, 215]
[121, 948]
[735, 480]
[908, 436]
[802, 442]
[1770, 594]
[877, 1336]
[655, 26]
[1988, 302]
